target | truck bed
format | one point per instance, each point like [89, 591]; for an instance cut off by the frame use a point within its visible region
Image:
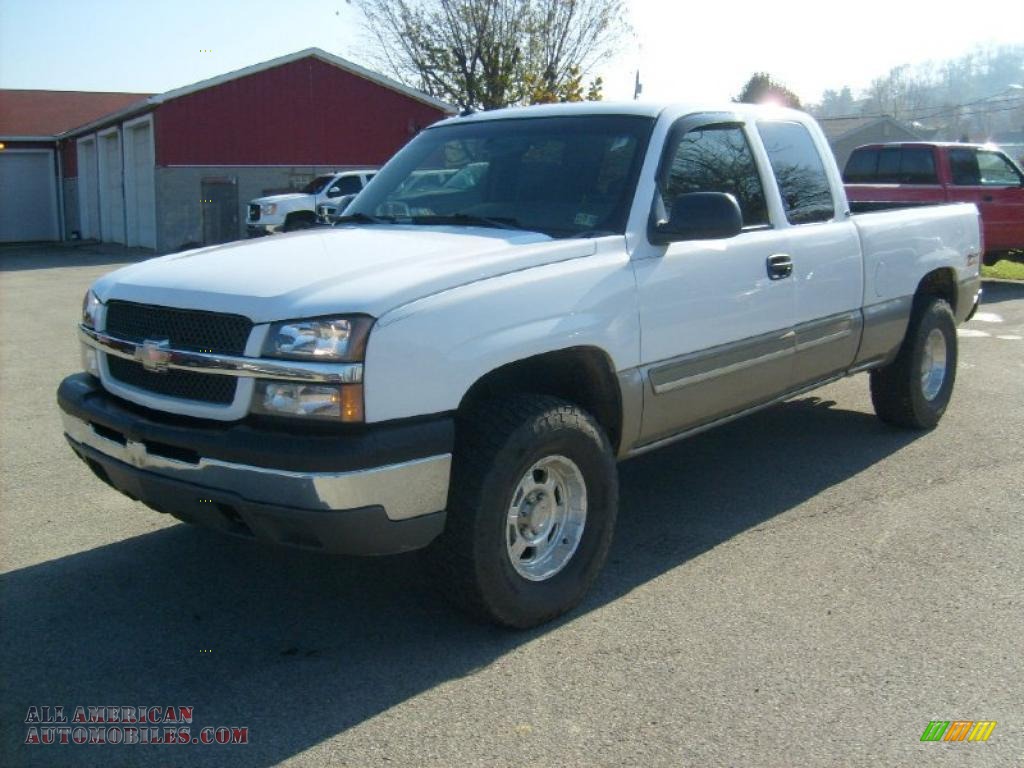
[901, 244]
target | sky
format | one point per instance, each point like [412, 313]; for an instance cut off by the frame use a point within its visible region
[685, 51]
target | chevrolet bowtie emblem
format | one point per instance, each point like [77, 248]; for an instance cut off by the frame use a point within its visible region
[154, 355]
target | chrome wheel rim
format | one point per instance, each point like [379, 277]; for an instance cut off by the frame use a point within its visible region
[933, 365]
[546, 518]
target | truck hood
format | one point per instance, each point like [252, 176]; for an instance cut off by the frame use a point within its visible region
[288, 197]
[366, 269]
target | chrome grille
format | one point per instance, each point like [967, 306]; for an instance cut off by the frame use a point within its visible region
[185, 385]
[188, 329]
[184, 329]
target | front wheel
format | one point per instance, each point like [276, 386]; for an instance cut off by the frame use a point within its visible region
[914, 389]
[296, 222]
[531, 511]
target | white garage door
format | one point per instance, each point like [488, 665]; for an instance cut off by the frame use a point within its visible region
[140, 201]
[28, 195]
[111, 187]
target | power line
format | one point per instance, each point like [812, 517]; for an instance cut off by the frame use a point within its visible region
[1018, 102]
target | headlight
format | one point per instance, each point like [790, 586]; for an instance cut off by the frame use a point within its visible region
[90, 306]
[333, 339]
[268, 209]
[337, 402]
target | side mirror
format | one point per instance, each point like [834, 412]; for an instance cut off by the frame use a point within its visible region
[333, 192]
[699, 216]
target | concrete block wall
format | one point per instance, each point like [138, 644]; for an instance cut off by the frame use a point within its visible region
[179, 213]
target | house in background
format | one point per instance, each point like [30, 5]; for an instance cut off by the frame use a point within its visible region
[177, 168]
[30, 122]
[845, 134]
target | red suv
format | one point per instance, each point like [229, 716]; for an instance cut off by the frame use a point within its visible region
[881, 176]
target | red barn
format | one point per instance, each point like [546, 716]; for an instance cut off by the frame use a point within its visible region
[146, 174]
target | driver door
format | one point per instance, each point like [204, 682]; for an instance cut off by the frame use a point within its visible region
[988, 179]
[716, 316]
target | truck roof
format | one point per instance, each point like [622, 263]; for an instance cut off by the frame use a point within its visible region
[637, 108]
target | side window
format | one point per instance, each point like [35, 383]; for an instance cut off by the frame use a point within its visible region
[917, 166]
[347, 185]
[996, 170]
[889, 166]
[716, 158]
[806, 195]
[964, 165]
[862, 167]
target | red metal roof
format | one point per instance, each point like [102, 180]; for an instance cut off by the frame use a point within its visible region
[48, 113]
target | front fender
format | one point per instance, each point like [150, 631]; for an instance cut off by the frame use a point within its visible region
[422, 358]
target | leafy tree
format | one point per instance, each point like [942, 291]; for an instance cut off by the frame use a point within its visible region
[486, 54]
[836, 103]
[762, 89]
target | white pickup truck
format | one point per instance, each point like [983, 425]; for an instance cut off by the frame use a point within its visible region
[298, 210]
[458, 370]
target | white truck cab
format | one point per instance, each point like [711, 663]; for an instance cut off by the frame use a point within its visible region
[519, 299]
[297, 210]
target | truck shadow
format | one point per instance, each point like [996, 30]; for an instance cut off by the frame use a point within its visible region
[21, 257]
[996, 291]
[300, 648]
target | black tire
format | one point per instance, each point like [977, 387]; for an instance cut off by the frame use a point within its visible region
[497, 444]
[897, 390]
[300, 221]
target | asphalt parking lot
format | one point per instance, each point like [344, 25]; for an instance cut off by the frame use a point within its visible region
[806, 587]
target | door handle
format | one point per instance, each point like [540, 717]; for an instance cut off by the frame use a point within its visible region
[780, 266]
[988, 198]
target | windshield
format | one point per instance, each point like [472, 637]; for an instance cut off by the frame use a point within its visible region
[563, 176]
[316, 185]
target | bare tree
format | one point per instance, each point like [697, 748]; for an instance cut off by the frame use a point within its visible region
[485, 54]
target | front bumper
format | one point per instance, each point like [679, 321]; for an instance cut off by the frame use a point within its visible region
[379, 490]
[258, 230]
[968, 299]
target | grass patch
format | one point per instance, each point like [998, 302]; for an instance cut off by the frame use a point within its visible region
[1004, 269]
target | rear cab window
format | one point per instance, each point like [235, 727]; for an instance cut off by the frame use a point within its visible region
[917, 166]
[891, 165]
[799, 172]
[862, 167]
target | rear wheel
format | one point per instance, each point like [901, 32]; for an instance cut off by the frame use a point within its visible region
[531, 511]
[914, 389]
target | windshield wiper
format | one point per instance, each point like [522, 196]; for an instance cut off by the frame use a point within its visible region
[363, 218]
[469, 219]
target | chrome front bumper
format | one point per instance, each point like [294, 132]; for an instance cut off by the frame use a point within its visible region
[405, 490]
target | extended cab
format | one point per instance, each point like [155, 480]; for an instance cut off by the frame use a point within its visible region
[459, 368]
[884, 176]
[298, 210]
